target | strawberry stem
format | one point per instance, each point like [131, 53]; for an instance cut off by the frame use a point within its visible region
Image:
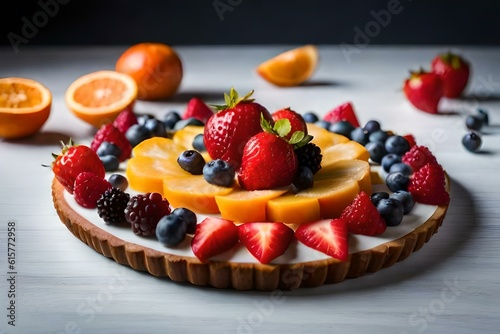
[232, 99]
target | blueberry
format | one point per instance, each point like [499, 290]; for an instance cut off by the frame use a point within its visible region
[310, 117]
[402, 168]
[406, 199]
[378, 136]
[372, 126]
[171, 230]
[376, 197]
[342, 128]
[118, 181]
[142, 118]
[137, 134]
[397, 144]
[360, 135]
[199, 143]
[390, 159]
[483, 116]
[323, 124]
[192, 162]
[473, 122]
[107, 148]
[472, 141]
[110, 163]
[156, 127]
[397, 181]
[171, 118]
[304, 178]
[391, 210]
[376, 150]
[219, 172]
[189, 121]
[189, 218]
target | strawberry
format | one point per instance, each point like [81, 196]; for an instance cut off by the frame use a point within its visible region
[265, 240]
[363, 217]
[410, 139]
[213, 236]
[454, 72]
[343, 112]
[424, 90]
[89, 188]
[329, 236]
[227, 131]
[125, 120]
[74, 160]
[110, 133]
[269, 159]
[198, 109]
[427, 185]
[419, 156]
[296, 121]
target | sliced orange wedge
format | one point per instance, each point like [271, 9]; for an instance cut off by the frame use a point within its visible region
[290, 68]
[24, 107]
[98, 97]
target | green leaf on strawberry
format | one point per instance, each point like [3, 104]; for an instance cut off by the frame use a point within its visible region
[232, 99]
[282, 128]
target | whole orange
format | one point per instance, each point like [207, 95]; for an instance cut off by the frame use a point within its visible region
[155, 67]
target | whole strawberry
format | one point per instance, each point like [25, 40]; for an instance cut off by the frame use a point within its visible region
[297, 123]
[424, 90]
[74, 160]
[89, 188]
[454, 72]
[269, 159]
[228, 130]
[112, 135]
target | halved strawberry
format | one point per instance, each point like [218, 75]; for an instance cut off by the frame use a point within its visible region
[343, 112]
[297, 123]
[363, 217]
[125, 120]
[89, 188]
[265, 240]
[419, 156]
[111, 134]
[428, 185]
[198, 109]
[329, 236]
[213, 236]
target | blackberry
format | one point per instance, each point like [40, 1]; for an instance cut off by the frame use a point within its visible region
[144, 211]
[309, 156]
[111, 206]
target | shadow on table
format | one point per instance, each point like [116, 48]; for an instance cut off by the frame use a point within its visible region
[42, 139]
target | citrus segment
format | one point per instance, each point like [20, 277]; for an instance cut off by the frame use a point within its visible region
[246, 206]
[290, 68]
[98, 97]
[324, 138]
[292, 209]
[185, 138]
[357, 170]
[24, 107]
[350, 150]
[159, 148]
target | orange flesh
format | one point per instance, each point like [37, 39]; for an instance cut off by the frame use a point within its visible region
[100, 92]
[18, 95]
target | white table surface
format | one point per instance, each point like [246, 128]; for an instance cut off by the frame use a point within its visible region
[451, 285]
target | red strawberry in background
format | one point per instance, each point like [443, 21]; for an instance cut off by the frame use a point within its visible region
[74, 160]
[454, 72]
[329, 236]
[111, 134]
[343, 112]
[265, 240]
[213, 236]
[428, 185]
[363, 217]
[89, 188]
[198, 109]
[228, 130]
[125, 120]
[297, 123]
[424, 90]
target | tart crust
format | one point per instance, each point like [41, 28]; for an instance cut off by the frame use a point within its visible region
[243, 276]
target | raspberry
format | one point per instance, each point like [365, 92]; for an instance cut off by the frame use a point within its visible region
[363, 217]
[111, 206]
[310, 156]
[125, 120]
[144, 211]
[427, 185]
[419, 156]
[111, 134]
[88, 189]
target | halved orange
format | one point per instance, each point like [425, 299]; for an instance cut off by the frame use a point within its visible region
[290, 68]
[24, 107]
[98, 97]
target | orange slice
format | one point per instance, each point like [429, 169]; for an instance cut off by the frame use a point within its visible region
[24, 107]
[98, 97]
[290, 68]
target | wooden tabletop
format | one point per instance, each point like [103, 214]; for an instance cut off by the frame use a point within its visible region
[59, 285]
